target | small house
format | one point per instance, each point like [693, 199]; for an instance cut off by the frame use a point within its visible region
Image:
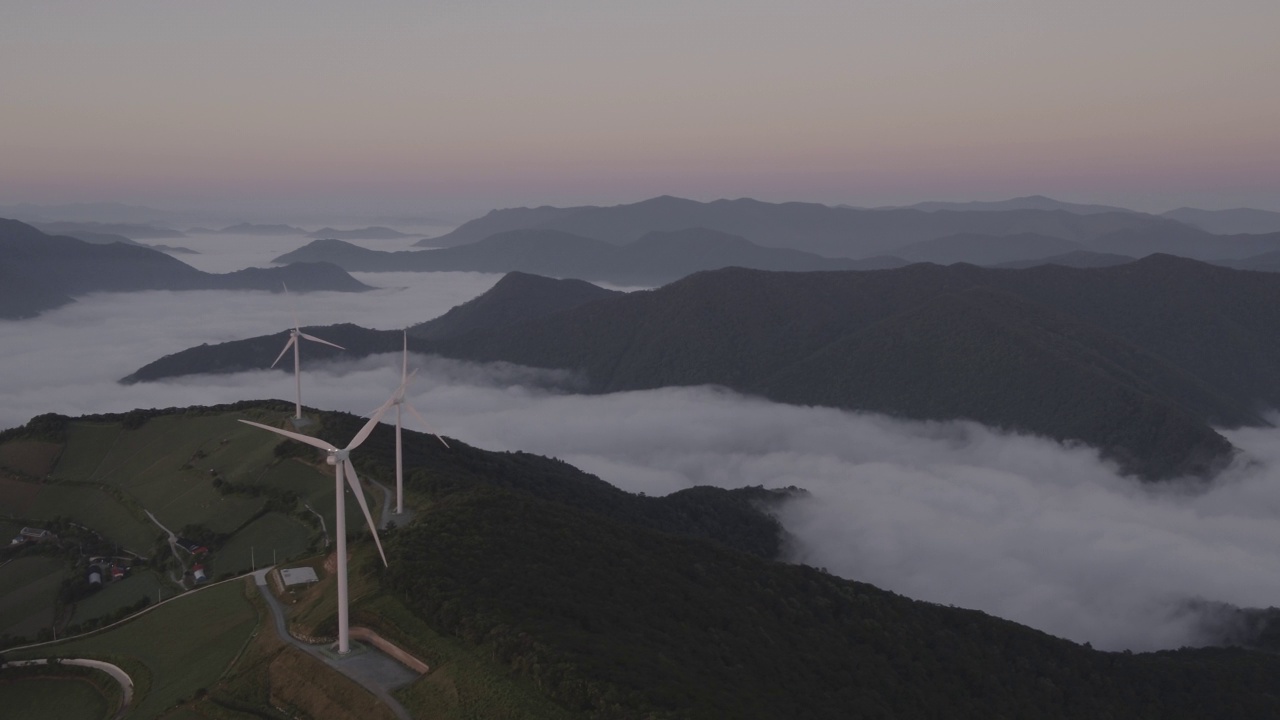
[33, 535]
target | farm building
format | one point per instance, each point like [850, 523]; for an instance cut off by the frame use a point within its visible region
[198, 572]
[298, 576]
[33, 535]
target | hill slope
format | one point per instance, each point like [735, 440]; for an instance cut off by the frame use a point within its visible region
[1139, 360]
[614, 605]
[516, 298]
[617, 621]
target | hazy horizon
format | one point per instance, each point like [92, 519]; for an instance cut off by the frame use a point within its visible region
[280, 110]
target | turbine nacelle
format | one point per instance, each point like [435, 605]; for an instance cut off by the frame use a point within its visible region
[296, 336]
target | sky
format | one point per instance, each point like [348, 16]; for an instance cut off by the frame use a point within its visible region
[290, 109]
[955, 513]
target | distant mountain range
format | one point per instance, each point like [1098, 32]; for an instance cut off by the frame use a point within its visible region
[987, 249]
[842, 232]
[46, 271]
[1075, 259]
[1228, 222]
[1030, 202]
[102, 212]
[256, 229]
[655, 259]
[133, 231]
[369, 233]
[819, 229]
[76, 231]
[1141, 360]
[663, 256]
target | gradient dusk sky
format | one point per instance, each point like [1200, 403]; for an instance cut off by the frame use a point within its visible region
[283, 106]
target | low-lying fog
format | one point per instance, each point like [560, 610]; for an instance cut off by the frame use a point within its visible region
[954, 513]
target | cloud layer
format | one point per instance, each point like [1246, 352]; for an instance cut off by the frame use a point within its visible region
[956, 513]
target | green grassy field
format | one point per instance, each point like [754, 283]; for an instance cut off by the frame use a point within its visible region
[54, 697]
[116, 595]
[284, 535]
[17, 496]
[30, 590]
[185, 645]
[91, 443]
[93, 507]
[32, 458]
[8, 531]
[168, 465]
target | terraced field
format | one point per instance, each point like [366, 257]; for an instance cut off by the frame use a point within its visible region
[54, 697]
[254, 545]
[176, 649]
[32, 458]
[195, 468]
[30, 587]
[116, 595]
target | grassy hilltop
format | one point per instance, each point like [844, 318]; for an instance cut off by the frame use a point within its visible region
[535, 590]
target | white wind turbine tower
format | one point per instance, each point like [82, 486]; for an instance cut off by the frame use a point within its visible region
[402, 404]
[295, 341]
[340, 460]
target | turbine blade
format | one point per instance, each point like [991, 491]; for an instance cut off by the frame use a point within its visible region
[313, 338]
[404, 366]
[313, 441]
[404, 384]
[292, 340]
[293, 308]
[369, 426]
[354, 482]
[425, 424]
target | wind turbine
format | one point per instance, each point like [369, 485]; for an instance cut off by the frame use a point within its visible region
[340, 460]
[295, 341]
[398, 399]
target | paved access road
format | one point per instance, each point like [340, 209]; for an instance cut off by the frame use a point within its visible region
[378, 673]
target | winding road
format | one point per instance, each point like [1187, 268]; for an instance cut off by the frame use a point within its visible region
[120, 676]
[173, 548]
[323, 529]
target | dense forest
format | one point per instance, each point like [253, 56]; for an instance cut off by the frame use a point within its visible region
[616, 605]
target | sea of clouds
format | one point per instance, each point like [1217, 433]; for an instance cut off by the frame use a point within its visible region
[956, 513]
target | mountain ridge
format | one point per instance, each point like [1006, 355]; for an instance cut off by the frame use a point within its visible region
[653, 259]
[810, 227]
[66, 267]
[1130, 341]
